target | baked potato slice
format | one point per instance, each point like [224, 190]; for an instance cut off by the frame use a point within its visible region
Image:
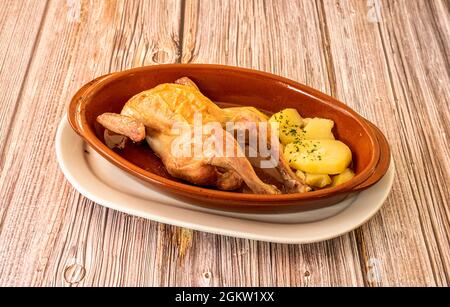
[318, 156]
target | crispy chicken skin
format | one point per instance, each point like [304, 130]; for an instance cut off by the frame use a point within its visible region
[151, 114]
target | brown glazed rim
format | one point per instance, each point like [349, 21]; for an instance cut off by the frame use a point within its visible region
[367, 177]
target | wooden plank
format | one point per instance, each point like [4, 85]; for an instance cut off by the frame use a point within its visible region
[394, 72]
[50, 235]
[282, 37]
[390, 65]
[421, 60]
[17, 45]
[257, 34]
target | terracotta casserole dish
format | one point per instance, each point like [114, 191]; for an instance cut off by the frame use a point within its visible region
[238, 86]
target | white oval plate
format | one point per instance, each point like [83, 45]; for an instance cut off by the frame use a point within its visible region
[97, 182]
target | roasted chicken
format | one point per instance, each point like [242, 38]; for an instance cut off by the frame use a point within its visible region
[153, 114]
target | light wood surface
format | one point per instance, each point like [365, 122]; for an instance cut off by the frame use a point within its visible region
[389, 60]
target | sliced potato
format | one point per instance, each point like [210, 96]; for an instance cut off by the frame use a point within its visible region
[318, 129]
[288, 117]
[318, 156]
[342, 177]
[317, 180]
[290, 124]
[289, 134]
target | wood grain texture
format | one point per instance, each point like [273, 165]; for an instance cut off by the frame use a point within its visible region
[74, 47]
[371, 78]
[267, 36]
[421, 63]
[18, 42]
[387, 59]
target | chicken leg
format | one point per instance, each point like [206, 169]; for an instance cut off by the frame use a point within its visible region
[248, 119]
[212, 169]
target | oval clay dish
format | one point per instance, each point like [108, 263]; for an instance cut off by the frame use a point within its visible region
[238, 86]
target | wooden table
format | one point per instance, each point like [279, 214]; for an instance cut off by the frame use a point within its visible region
[389, 60]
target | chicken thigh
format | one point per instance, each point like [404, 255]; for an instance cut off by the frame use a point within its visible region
[248, 119]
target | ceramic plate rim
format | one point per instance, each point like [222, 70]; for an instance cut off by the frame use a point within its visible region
[64, 126]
